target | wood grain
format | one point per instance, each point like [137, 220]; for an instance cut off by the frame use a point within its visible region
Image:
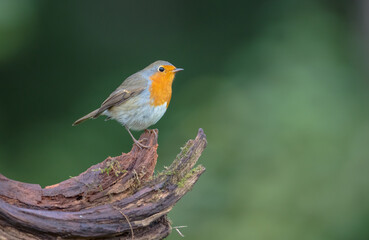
[119, 198]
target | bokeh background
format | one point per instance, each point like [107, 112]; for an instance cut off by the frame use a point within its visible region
[280, 88]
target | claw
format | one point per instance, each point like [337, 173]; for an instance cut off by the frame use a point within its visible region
[156, 135]
[138, 143]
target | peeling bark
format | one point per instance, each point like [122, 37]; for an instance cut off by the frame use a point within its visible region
[119, 198]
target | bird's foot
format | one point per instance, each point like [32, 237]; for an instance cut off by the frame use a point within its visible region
[139, 144]
[153, 131]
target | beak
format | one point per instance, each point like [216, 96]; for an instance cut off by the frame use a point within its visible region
[177, 70]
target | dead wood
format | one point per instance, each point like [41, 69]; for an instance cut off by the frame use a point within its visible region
[119, 198]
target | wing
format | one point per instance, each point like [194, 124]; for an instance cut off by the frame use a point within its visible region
[131, 87]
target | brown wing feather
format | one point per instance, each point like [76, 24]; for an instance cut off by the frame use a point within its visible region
[131, 87]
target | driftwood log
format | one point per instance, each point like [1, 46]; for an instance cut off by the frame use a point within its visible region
[119, 198]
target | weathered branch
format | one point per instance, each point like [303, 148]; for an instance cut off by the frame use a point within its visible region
[119, 198]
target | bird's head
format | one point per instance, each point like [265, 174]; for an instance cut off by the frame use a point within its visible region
[161, 71]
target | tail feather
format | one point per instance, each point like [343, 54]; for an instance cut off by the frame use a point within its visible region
[92, 114]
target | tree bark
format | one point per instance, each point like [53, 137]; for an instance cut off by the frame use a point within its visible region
[119, 198]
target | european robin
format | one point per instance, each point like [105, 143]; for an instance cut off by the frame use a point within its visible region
[141, 100]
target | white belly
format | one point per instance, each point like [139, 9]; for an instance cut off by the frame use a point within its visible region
[137, 114]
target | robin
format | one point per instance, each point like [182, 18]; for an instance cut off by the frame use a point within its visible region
[141, 100]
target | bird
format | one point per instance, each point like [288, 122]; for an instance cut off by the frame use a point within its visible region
[141, 100]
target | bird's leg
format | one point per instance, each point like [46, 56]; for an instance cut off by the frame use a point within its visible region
[138, 143]
[156, 135]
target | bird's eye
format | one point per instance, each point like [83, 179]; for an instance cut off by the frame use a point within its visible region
[161, 69]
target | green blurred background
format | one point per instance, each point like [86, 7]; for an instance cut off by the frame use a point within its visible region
[280, 88]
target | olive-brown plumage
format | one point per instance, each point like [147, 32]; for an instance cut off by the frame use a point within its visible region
[141, 100]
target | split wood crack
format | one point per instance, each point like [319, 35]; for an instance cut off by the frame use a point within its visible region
[119, 198]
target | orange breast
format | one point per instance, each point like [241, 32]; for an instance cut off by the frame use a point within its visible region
[161, 88]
